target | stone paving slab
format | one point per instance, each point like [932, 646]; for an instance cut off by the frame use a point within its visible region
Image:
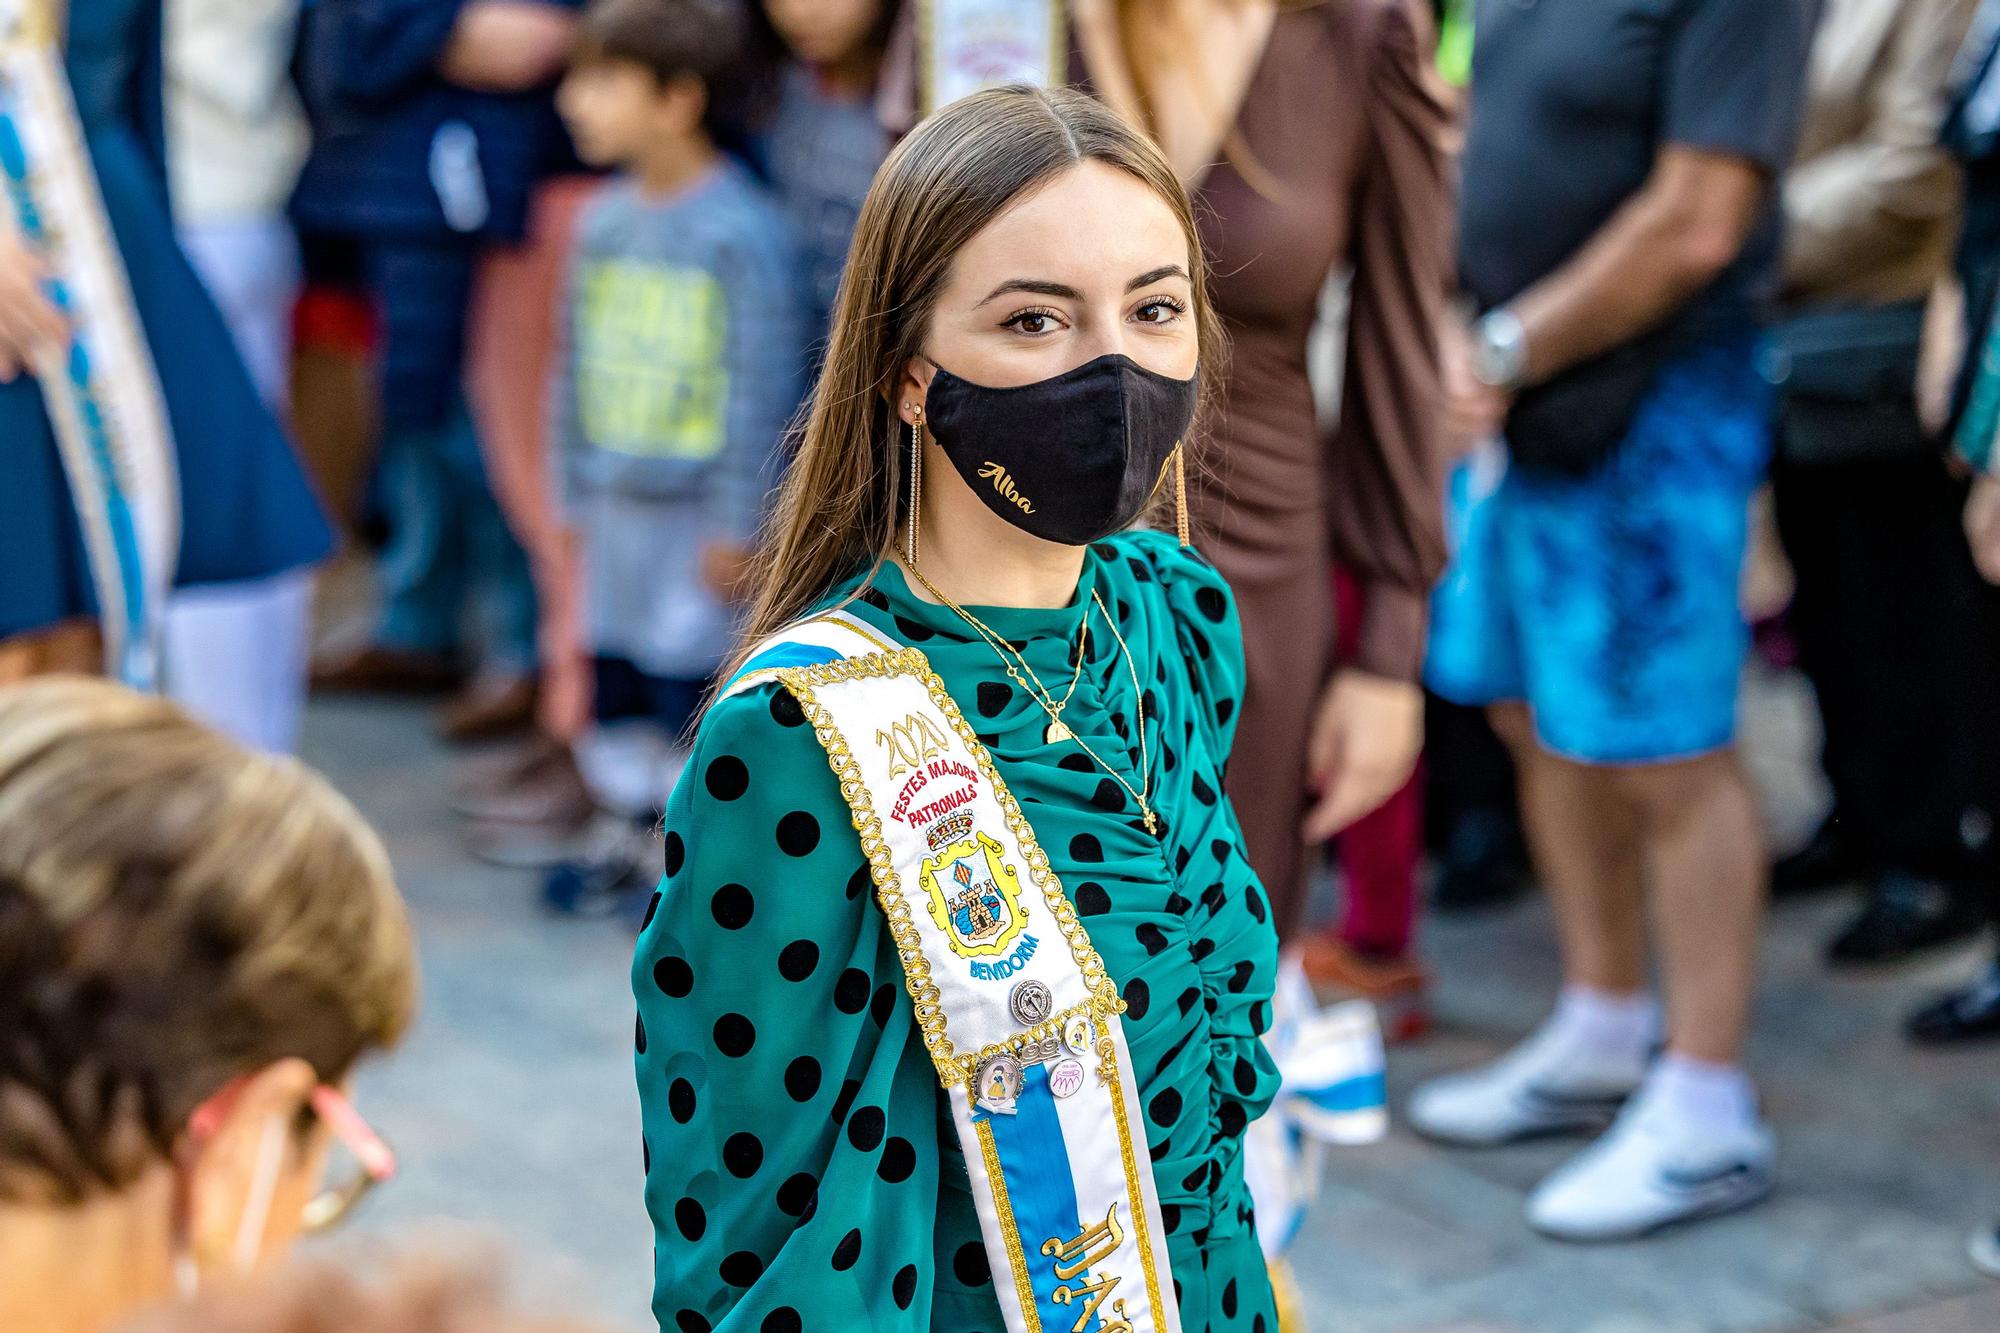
[513, 1110]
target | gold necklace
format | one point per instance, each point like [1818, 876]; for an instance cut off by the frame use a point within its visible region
[1041, 696]
[1009, 657]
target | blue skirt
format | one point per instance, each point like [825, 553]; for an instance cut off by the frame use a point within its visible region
[247, 510]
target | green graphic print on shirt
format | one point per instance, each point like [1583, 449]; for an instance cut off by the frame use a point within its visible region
[651, 376]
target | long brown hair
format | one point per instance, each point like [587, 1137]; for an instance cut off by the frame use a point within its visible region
[841, 501]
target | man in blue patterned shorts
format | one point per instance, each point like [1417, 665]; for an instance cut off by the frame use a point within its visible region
[1619, 239]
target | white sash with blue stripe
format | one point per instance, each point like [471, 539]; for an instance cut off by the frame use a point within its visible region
[1021, 1022]
[101, 390]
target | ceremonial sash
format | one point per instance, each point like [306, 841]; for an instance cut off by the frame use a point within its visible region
[102, 391]
[1020, 1020]
[964, 46]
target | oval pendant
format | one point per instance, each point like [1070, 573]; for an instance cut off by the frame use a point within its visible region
[1059, 732]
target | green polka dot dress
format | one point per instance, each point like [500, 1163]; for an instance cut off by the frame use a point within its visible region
[800, 1169]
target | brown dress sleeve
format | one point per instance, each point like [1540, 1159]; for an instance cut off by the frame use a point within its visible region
[1387, 454]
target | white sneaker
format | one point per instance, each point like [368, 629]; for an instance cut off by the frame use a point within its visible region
[1984, 1250]
[1651, 1170]
[1549, 1084]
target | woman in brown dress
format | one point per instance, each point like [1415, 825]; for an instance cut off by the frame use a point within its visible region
[1333, 160]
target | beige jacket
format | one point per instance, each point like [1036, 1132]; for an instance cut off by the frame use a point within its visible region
[236, 134]
[1872, 203]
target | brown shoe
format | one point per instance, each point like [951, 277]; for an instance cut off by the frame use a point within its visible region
[488, 708]
[1398, 987]
[379, 670]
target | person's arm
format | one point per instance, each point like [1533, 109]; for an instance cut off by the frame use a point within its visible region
[1892, 182]
[1670, 240]
[788, 1104]
[1386, 459]
[1731, 89]
[389, 47]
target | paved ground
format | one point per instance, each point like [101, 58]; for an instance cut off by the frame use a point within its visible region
[513, 1108]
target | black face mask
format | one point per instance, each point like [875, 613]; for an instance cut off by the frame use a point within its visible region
[1071, 459]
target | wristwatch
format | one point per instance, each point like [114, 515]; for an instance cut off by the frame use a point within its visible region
[1500, 350]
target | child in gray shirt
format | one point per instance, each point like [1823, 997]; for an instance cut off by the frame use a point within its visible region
[682, 360]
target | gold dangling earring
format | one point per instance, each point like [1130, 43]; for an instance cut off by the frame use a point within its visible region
[916, 483]
[1180, 494]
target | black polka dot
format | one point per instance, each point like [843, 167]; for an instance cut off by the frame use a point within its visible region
[785, 710]
[1109, 796]
[1165, 1108]
[848, 1251]
[1232, 1118]
[1229, 1300]
[899, 1160]
[639, 1033]
[1245, 1076]
[689, 1321]
[844, 1099]
[796, 1193]
[970, 1265]
[733, 906]
[674, 977]
[1121, 726]
[1202, 791]
[645, 1155]
[727, 778]
[1170, 1216]
[850, 993]
[876, 598]
[904, 1288]
[864, 1128]
[1201, 949]
[1137, 999]
[1224, 710]
[1092, 900]
[676, 855]
[652, 909]
[1260, 1017]
[1077, 763]
[1220, 850]
[742, 1269]
[859, 882]
[1253, 903]
[1213, 896]
[1239, 976]
[802, 1077]
[798, 960]
[1195, 1179]
[1211, 603]
[1151, 938]
[882, 1004]
[1086, 849]
[1177, 904]
[735, 1035]
[993, 698]
[1257, 1325]
[680, 1100]
[784, 1319]
[743, 1153]
[798, 834]
[691, 1218]
[1181, 858]
[1189, 998]
[912, 631]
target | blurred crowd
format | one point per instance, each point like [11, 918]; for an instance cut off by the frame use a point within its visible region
[1586, 351]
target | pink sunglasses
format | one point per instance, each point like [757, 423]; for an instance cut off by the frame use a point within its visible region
[373, 1163]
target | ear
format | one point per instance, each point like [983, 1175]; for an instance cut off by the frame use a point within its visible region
[912, 391]
[685, 102]
[223, 1169]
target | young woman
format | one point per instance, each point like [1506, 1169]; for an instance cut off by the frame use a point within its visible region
[196, 945]
[1026, 301]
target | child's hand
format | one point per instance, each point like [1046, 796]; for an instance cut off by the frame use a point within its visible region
[724, 565]
[507, 46]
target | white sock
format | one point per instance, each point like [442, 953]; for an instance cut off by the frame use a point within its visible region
[1703, 1096]
[1618, 1027]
